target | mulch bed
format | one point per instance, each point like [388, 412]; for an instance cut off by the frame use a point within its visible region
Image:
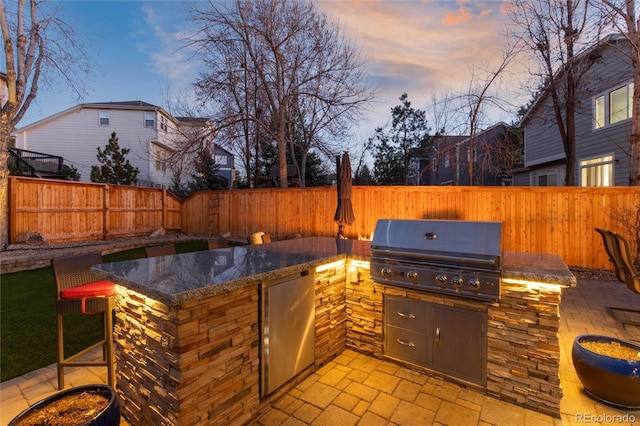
[71, 410]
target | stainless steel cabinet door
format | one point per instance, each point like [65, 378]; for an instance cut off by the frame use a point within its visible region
[287, 329]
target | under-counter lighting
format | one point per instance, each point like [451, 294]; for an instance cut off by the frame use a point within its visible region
[537, 285]
[359, 263]
[332, 265]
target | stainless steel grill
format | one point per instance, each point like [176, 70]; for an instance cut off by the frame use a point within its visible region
[458, 258]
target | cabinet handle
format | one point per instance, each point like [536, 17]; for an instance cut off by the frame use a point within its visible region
[410, 316]
[405, 342]
[437, 336]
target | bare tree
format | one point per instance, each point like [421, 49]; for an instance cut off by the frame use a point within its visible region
[479, 97]
[266, 60]
[622, 16]
[39, 48]
[555, 32]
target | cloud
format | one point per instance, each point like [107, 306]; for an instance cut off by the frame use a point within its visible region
[422, 47]
[463, 16]
[164, 44]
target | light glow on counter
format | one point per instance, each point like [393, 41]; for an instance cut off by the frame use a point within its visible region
[359, 263]
[537, 285]
[332, 265]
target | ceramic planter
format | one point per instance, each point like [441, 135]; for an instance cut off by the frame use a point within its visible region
[612, 380]
[109, 416]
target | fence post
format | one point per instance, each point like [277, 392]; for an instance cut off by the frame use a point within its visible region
[163, 223]
[12, 209]
[105, 212]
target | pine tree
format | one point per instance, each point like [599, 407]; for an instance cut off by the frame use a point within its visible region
[115, 169]
[206, 177]
[408, 137]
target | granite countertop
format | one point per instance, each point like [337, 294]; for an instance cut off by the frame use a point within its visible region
[537, 267]
[177, 279]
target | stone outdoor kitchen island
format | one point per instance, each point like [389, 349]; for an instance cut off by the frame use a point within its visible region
[188, 327]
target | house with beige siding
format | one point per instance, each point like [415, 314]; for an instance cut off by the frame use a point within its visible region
[151, 134]
[603, 125]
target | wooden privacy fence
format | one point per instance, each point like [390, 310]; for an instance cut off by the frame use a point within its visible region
[558, 220]
[73, 211]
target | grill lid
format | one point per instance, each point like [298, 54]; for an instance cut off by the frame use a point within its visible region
[450, 241]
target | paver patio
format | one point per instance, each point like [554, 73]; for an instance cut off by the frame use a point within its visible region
[355, 389]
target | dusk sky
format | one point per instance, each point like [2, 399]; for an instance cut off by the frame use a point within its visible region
[419, 47]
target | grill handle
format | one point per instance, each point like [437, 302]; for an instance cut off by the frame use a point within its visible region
[409, 316]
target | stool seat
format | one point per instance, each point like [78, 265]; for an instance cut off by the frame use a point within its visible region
[81, 291]
[94, 289]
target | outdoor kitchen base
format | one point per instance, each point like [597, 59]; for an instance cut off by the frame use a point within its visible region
[523, 351]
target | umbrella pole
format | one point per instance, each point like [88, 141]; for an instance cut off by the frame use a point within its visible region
[340, 227]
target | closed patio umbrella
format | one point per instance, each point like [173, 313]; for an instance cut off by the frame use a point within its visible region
[344, 211]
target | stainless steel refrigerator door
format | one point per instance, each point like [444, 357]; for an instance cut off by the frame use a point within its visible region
[287, 329]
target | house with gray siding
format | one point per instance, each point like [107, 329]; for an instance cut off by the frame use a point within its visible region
[603, 125]
[150, 133]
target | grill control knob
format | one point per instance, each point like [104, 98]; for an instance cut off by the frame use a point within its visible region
[441, 279]
[412, 275]
[457, 281]
[386, 272]
[474, 284]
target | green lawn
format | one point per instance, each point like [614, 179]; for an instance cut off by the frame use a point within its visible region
[28, 319]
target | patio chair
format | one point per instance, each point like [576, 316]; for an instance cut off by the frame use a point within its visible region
[632, 276]
[81, 291]
[619, 251]
[611, 247]
[256, 238]
[163, 250]
[216, 243]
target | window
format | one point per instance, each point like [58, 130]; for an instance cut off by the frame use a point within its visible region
[149, 119]
[103, 119]
[597, 171]
[621, 106]
[613, 107]
[446, 158]
[161, 160]
[220, 160]
[163, 123]
[545, 179]
[599, 115]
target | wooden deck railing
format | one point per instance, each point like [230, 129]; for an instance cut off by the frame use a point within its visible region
[559, 220]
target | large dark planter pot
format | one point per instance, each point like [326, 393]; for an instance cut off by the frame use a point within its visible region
[109, 416]
[611, 380]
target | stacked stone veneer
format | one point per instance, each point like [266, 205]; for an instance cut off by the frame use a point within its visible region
[197, 363]
[331, 313]
[523, 351]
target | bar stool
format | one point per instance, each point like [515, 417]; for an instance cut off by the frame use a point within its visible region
[81, 291]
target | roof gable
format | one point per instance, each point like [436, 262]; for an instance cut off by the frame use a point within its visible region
[122, 105]
[609, 42]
